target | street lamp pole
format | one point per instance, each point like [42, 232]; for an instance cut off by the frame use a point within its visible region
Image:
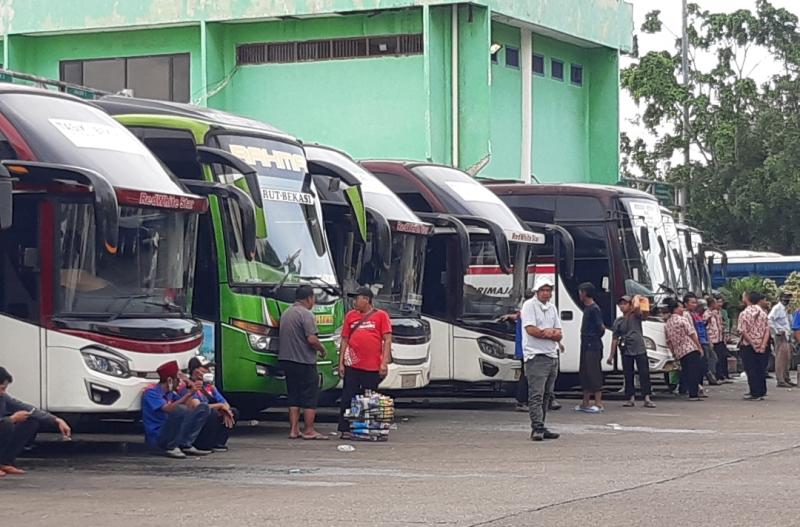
[681, 189]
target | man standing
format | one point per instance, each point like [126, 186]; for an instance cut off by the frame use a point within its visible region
[19, 423]
[365, 351]
[222, 417]
[629, 339]
[694, 312]
[169, 424]
[781, 329]
[754, 331]
[542, 327]
[298, 348]
[590, 371]
[716, 334]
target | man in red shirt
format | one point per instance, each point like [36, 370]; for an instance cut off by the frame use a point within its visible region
[365, 351]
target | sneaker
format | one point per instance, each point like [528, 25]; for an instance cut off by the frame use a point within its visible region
[537, 435]
[520, 407]
[693, 399]
[220, 448]
[194, 451]
[589, 409]
[175, 453]
[554, 405]
[753, 398]
[784, 385]
[551, 435]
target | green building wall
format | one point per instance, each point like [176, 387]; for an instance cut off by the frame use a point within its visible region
[398, 107]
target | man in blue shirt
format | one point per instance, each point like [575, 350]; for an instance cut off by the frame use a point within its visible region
[169, 424]
[222, 417]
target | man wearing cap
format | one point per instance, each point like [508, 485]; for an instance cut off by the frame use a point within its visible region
[628, 338]
[297, 355]
[781, 329]
[169, 424]
[365, 351]
[222, 417]
[542, 327]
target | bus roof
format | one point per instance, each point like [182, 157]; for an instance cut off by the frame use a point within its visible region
[119, 105]
[582, 189]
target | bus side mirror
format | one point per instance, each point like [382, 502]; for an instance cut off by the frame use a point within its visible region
[6, 203]
[210, 156]
[106, 208]
[383, 237]
[687, 239]
[644, 235]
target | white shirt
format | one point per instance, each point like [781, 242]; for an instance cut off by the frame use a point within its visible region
[779, 320]
[542, 316]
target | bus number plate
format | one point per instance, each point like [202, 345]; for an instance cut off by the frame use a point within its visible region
[408, 381]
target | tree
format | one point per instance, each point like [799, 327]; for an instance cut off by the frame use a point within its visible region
[743, 181]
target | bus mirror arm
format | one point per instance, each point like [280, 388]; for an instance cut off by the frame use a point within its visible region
[447, 220]
[500, 241]
[106, 207]
[210, 156]
[242, 199]
[566, 241]
[383, 233]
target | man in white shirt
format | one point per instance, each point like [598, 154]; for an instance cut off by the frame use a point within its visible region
[781, 328]
[542, 334]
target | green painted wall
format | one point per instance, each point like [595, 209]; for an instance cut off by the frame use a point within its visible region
[368, 107]
[40, 55]
[506, 122]
[439, 47]
[604, 116]
[560, 137]
[605, 22]
[474, 85]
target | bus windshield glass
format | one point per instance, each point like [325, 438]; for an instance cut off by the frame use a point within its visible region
[295, 246]
[149, 275]
[645, 220]
[488, 292]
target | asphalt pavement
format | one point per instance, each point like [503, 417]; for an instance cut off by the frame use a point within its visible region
[466, 463]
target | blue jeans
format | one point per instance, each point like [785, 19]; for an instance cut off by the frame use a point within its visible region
[182, 427]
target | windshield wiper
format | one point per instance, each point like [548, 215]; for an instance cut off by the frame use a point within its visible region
[285, 265]
[129, 299]
[326, 286]
[167, 305]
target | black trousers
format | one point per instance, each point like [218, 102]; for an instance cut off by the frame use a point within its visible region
[643, 367]
[214, 433]
[755, 365]
[355, 382]
[692, 372]
[722, 360]
[522, 387]
[14, 437]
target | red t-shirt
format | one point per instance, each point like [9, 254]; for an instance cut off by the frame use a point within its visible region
[365, 344]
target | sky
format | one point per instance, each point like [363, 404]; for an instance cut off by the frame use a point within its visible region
[760, 62]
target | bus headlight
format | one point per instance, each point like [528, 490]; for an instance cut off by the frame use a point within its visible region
[105, 362]
[492, 347]
[258, 342]
[337, 337]
[650, 344]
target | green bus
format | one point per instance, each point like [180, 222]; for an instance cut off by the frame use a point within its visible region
[240, 292]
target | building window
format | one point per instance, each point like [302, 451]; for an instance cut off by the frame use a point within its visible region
[512, 57]
[496, 57]
[538, 64]
[557, 69]
[576, 74]
[164, 77]
[336, 48]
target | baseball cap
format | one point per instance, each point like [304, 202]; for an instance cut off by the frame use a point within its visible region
[543, 280]
[625, 298]
[199, 361]
[364, 291]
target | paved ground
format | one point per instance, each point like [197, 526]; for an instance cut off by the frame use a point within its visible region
[722, 461]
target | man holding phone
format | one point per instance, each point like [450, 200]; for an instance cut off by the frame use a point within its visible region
[19, 423]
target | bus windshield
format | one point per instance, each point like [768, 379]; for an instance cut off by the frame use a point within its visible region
[674, 246]
[295, 246]
[150, 274]
[488, 292]
[645, 220]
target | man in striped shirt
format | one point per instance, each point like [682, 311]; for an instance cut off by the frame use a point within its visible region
[754, 332]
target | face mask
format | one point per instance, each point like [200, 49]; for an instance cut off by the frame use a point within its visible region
[170, 384]
[208, 378]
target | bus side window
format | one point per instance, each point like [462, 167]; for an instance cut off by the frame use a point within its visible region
[19, 265]
[205, 299]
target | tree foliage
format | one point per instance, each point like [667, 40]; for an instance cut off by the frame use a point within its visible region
[743, 180]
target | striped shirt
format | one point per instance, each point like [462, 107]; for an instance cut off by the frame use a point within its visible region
[679, 331]
[754, 328]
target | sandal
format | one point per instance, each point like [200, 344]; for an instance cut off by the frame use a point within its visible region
[315, 437]
[346, 436]
[649, 404]
[629, 404]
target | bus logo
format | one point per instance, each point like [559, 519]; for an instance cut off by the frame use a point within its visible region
[279, 159]
[323, 320]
